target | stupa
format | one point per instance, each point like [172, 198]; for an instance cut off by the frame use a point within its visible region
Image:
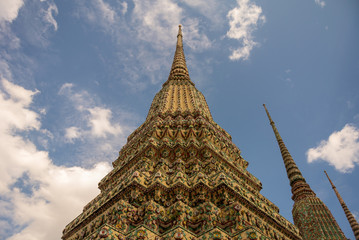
[310, 214]
[180, 176]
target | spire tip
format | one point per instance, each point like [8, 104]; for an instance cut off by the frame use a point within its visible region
[179, 69]
[269, 117]
[180, 29]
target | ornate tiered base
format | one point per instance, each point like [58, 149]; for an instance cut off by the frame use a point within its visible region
[180, 176]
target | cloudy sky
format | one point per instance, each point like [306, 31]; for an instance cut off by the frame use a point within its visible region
[78, 76]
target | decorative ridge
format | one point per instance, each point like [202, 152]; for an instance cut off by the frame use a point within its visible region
[179, 70]
[300, 188]
[353, 223]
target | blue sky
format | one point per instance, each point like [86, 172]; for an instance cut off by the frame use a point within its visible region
[77, 77]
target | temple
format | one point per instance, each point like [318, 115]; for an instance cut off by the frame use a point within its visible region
[180, 176]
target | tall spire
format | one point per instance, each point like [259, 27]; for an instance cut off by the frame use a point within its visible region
[353, 223]
[310, 214]
[300, 188]
[179, 70]
[179, 94]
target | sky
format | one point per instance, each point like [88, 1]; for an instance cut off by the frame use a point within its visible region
[78, 76]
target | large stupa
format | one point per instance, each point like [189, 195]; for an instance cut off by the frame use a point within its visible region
[179, 176]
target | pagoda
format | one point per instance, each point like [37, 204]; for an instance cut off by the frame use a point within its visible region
[310, 214]
[180, 176]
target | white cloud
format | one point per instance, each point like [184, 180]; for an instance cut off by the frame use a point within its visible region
[152, 21]
[49, 15]
[124, 7]
[100, 122]
[156, 26]
[34, 31]
[9, 9]
[37, 198]
[72, 133]
[213, 10]
[65, 87]
[194, 38]
[341, 150]
[320, 3]
[243, 20]
[87, 120]
[14, 101]
[38, 30]
[60, 197]
[158, 21]
[4, 69]
[81, 100]
[107, 13]
[98, 119]
[99, 12]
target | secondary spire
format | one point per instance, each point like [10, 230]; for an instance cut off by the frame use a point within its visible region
[300, 187]
[353, 223]
[310, 214]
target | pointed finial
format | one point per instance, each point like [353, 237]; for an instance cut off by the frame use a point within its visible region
[331, 183]
[179, 36]
[179, 70]
[353, 223]
[269, 117]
